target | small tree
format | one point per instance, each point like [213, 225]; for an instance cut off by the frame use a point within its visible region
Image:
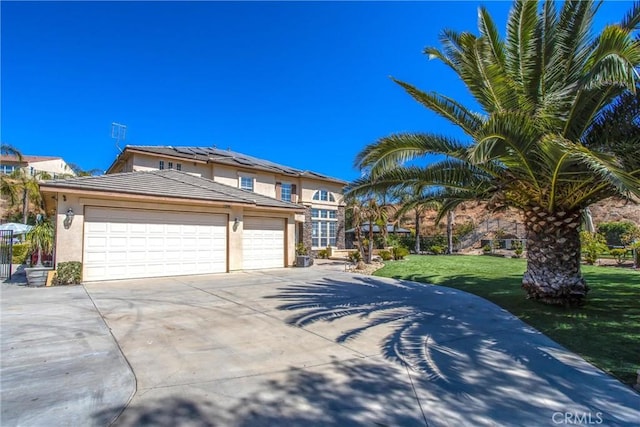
[593, 244]
[616, 232]
[40, 238]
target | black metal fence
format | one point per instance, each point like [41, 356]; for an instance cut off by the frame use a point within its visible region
[6, 253]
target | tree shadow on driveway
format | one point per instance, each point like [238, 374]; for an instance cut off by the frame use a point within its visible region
[343, 393]
[471, 360]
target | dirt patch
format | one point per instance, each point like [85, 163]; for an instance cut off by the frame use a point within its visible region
[368, 269]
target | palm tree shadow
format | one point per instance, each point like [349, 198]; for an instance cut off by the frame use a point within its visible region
[459, 344]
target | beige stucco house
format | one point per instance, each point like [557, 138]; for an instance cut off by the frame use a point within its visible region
[322, 223]
[36, 165]
[164, 211]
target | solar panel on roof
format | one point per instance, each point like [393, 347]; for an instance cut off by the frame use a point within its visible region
[244, 162]
[185, 150]
[198, 150]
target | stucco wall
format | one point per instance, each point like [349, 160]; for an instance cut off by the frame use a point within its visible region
[143, 162]
[53, 166]
[70, 240]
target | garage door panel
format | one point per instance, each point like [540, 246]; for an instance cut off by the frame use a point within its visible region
[122, 243]
[263, 243]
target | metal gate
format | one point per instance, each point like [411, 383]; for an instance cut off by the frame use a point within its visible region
[6, 253]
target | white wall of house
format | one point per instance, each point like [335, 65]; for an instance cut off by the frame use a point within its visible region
[53, 166]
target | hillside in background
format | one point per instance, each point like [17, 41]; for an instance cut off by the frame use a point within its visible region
[511, 222]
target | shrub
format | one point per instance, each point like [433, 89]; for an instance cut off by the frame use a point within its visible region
[355, 256]
[486, 249]
[301, 249]
[593, 244]
[517, 248]
[399, 252]
[20, 252]
[323, 254]
[619, 254]
[616, 232]
[437, 249]
[68, 273]
[463, 229]
[385, 255]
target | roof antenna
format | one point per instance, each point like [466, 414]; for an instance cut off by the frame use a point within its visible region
[118, 132]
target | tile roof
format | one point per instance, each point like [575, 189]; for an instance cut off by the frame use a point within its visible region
[167, 183]
[216, 155]
[27, 158]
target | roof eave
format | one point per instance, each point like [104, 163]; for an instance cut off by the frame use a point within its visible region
[49, 188]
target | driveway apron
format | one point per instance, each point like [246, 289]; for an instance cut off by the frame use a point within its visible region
[60, 364]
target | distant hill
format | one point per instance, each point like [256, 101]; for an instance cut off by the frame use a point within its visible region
[511, 221]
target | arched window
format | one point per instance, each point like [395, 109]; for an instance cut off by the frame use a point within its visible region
[324, 196]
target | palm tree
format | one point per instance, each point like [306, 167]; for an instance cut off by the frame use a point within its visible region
[544, 89]
[355, 211]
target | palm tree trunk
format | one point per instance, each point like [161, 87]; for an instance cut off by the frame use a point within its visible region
[370, 252]
[553, 258]
[450, 232]
[418, 232]
[25, 206]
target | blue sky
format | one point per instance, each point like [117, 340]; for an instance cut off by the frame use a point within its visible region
[300, 83]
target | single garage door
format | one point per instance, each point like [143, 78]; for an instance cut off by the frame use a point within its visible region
[262, 243]
[132, 243]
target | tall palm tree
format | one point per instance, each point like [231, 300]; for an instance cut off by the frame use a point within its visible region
[544, 89]
[355, 211]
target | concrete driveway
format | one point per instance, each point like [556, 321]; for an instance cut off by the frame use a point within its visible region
[59, 364]
[321, 347]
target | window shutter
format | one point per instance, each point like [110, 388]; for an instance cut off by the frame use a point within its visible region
[278, 190]
[294, 194]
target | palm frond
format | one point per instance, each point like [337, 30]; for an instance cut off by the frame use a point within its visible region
[446, 107]
[631, 20]
[395, 150]
[521, 45]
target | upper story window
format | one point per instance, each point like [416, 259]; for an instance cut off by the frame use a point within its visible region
[285, 192]
[324, 196]
[170, 165]
[246, 183]
[161, 165]
[179, 166]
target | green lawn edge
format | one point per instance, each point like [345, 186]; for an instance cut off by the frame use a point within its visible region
[605, 331]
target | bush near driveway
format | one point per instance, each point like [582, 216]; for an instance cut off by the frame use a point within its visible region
[605, 331]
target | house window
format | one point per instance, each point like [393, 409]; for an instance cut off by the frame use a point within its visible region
[7, 169]
[324, 196]
[285, 192]
[324, 224]
[170, 165]
[161, 165]
[246, 183]
[179, 166]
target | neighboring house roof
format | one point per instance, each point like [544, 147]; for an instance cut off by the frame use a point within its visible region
[216, 155]
[167, 183]
[376, 229]
[28, 159]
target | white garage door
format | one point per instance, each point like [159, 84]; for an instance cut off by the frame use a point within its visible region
[130, 243]
[262, 243]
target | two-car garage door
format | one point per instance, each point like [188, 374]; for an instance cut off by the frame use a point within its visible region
[130, 243]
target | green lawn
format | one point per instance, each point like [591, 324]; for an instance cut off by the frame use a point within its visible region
[605, 331]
